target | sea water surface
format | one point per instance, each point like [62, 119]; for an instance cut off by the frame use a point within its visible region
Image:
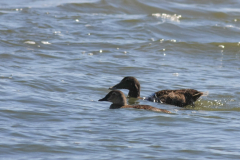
[58, 57]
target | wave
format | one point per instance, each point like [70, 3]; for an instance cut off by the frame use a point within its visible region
[114, 7]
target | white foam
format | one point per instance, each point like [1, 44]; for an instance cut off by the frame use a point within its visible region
[221, 46]
[45, 42]
[30, 42]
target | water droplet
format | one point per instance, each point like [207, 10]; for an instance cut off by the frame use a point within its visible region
[100, 51]
[77, 20]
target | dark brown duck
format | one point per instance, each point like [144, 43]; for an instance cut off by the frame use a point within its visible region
[118, 100]
[180, 98]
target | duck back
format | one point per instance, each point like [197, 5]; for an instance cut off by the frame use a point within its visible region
[181, 98]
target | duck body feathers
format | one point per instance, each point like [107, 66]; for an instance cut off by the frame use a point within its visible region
[180, 98]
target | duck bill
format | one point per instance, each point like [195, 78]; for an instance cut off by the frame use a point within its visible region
[103, 99]
[117, 86]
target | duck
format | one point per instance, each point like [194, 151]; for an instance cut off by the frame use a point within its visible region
[180, 98]
[119, 100]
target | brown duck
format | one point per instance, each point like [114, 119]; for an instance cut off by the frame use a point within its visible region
[119, 101]
[180, 98]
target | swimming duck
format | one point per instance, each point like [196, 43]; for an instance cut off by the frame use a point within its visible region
[119, 100]
[180, 98]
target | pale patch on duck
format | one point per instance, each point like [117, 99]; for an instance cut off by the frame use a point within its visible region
[152, 98]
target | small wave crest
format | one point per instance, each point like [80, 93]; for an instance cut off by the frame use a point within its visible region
[165, 16]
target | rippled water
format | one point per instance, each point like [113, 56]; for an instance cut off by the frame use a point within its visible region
[57, 58]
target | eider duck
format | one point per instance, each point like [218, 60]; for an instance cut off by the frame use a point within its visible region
[180, 98]
[119, 100]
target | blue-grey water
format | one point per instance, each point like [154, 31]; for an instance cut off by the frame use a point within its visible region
[58, 57]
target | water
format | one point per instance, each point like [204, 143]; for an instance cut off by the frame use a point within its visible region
[59, 57]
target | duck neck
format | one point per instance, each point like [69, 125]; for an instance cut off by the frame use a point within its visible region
[134, 93]
[119, 102]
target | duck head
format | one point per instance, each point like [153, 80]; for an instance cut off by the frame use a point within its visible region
[116, 97]
[130, 83]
